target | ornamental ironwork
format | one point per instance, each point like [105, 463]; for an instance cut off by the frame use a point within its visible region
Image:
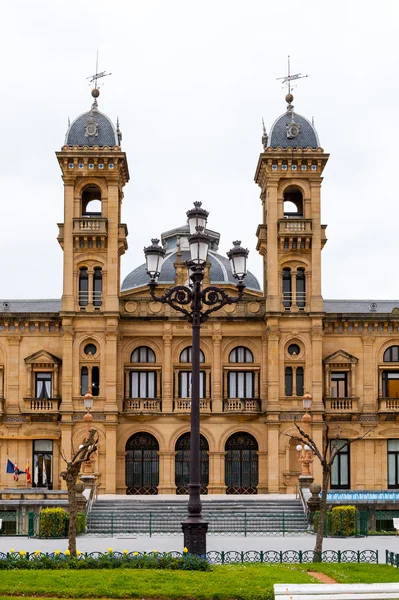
[241, 464]
[182, 464]
[142, 464]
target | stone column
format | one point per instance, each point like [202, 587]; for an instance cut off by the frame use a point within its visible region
[369, 396]
[217, 375]
[353, 381]
[262, 470]
[263, 375]
[273, 458]
[166, 473]
[217, 484]
[110, 458]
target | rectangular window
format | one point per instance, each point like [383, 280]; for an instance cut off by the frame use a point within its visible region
[143, 384]
[339, 385]
[299, 381]
[288, 381]
[42, 467]
[43, 385]
[241, 384]
[340, 476]
[393, 464]
[185, 384]
[390, 384]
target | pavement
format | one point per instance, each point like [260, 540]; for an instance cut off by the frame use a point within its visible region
[166, 543]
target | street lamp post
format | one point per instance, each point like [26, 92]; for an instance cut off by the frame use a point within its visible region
[196, 304]
[304, 453]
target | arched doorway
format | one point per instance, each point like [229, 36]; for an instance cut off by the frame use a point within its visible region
[142, 464]
[182, 464]
[241, 464]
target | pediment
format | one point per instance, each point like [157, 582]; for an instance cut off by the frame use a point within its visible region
[43, 357]
[340, 357]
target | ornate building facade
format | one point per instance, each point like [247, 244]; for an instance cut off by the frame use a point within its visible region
[258, 357]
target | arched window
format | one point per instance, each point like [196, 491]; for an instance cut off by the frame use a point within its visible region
[241, 464]
[287, 289]
[90, 380]
[182, 464]
[185, 355]
[142, 464]
[91, 201]
[83, 287]
[97, 287]
[293, 203]
[391, 354]
[143, 354]
[241, 355]
[300, 289]
[184, 380]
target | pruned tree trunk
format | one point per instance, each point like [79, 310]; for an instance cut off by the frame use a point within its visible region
[70, 476]
[318, 549]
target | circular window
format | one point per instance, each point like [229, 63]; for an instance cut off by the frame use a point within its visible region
[293, 349]
[90, 349]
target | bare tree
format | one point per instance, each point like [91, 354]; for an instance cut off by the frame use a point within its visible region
[326, 460]
[70, 475]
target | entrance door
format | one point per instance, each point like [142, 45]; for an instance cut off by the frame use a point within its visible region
[142, 464]
[241, 466]
[182, 464]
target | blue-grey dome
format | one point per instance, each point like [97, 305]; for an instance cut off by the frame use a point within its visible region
[92, 128]
[294, 131]
[220, 272]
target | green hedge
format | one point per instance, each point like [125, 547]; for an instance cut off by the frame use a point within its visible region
[344, 520]
[54, 523]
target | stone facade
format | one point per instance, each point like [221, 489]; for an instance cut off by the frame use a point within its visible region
[52, 352]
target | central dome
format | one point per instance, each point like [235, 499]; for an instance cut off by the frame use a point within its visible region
[177, 239]
[291, 130]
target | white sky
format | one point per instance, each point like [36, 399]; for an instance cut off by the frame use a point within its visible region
[190, 83]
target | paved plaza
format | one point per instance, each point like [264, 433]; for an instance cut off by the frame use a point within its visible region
[164, 543]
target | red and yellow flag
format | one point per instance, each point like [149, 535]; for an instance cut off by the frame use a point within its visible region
[27, 471]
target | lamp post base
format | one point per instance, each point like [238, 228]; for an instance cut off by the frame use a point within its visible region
[194, 532]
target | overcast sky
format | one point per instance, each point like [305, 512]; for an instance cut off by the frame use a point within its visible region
[190, 83]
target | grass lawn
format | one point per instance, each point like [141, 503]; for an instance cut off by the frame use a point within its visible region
[228, 582]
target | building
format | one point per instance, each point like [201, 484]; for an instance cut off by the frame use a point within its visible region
[258, 357]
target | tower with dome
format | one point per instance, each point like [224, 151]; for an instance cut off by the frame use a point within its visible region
[108, 339]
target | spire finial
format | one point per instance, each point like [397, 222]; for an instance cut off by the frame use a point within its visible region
[287, 81]
[95, 92]
[264, 136]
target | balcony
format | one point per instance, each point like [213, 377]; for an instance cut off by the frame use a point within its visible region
[388, 405]
[183, 405]
[335, 406]
[90, 225]
[295, 234]
[141, 405]
[241, 405]
[41, 406]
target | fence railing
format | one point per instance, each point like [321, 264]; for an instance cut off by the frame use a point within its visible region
[239, 523]
[392, 559]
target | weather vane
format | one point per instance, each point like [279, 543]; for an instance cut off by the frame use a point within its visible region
[94, 78]
[288, 78]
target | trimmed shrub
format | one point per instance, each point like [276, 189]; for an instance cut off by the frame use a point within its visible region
[344, 520]
[53, 523]
[80, 523]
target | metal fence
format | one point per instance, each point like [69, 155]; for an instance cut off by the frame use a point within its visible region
[392, 558]
[237, 523]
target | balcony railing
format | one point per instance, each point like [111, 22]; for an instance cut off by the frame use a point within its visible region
[250, 405]
[41, 405]
[296, 226]
[294, 301]
[184, 405]
[345, 405]
[142, 405]
[388, 404]
[90, 225]
[90, 299]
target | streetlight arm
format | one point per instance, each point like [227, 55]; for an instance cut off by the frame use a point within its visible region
[175, 297]
[217, 298]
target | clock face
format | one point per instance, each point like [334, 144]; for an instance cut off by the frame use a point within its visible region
[293, 130]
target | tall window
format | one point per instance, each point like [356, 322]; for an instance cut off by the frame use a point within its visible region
[294, 381]
[340, 472]
[143, 354]
[42, 467]
[241, 464]
[97, 286]
[142, 464]
[241, 383]
[91, 201]
[300, 289]
[390, 384]
[43, 385]
[184, 380]
[90, 380]
[143, 382]
[339, 385]
[393, 463]
[287, 289]
[83, 287]
[391, 354]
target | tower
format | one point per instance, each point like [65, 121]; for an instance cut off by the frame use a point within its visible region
[94, 171]
[291, 237]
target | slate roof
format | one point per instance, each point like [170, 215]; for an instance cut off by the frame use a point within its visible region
[306, 138]
[360, 306]
[220, 272]
[107, 135]
[30, 306]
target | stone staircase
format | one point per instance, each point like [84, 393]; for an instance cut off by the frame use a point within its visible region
[234, 515]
